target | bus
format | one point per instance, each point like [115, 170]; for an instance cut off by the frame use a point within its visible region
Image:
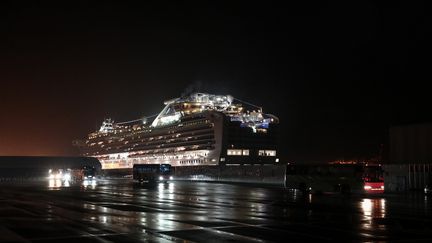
[74, 174]
[152, 173]
[342, 178]
[89, 173]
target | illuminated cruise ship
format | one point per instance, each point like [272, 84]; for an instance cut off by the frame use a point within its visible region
[199, 129]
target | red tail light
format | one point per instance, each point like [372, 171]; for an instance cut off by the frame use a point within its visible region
[374, 187]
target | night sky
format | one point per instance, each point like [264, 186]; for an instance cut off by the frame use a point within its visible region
[336, 74]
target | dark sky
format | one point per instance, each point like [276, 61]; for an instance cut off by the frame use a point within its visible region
[337, 74]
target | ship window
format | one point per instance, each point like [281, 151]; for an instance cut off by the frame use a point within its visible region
[246, 152]
[271, 152]
[234, 152]
[267, 153]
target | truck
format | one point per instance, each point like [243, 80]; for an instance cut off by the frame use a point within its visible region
[341, 178]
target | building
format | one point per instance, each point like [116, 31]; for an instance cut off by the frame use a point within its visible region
[410, 157]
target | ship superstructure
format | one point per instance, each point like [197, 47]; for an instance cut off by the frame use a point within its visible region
[198, 129]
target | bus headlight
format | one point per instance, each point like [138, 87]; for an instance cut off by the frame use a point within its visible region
[67, 177]
[160, 178]
[171, 177]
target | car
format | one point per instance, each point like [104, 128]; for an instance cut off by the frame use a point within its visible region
[428, 189]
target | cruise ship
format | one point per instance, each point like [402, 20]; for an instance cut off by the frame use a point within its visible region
[195, 130]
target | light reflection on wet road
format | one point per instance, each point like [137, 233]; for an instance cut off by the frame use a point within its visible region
[118, 211]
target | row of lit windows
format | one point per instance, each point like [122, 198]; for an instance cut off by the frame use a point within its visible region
[195, 122]
[190, 123]
[238, 152]
[97, 135]
[173, 156]
[245, 152]
[198, 161]
[160, 137]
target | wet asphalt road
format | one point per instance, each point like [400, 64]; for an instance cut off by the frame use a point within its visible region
[116, 211]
